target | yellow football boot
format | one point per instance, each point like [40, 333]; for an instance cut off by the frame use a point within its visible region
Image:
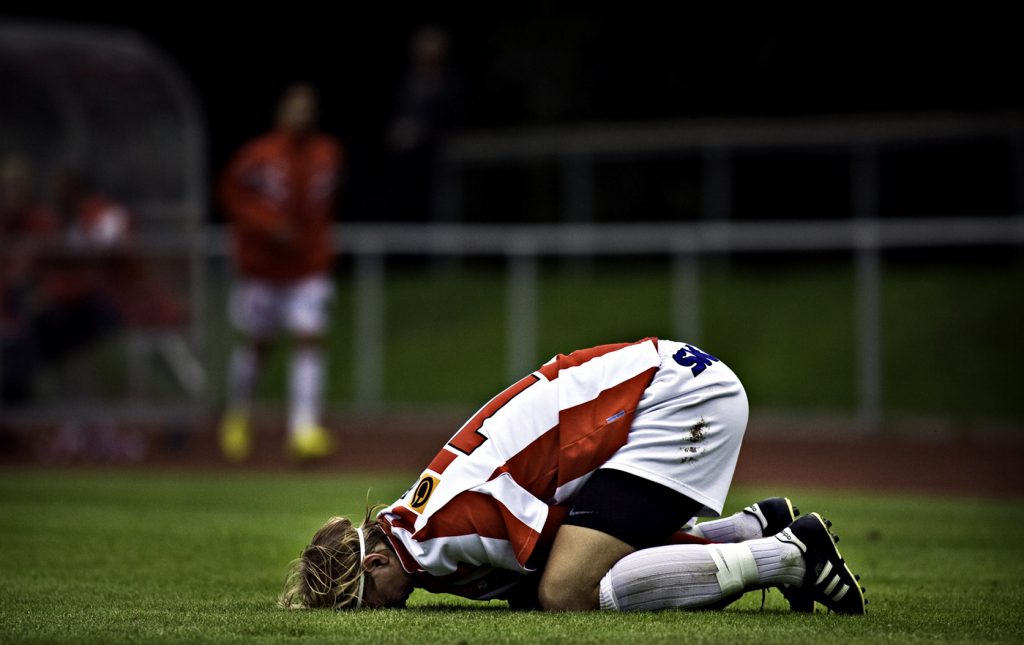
[310, 442]
[235, 440]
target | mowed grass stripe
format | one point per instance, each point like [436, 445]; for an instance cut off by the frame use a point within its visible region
[104, 556]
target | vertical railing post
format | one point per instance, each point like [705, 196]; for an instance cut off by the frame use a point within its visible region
[716, 185]
[577, 189]
[369, 324]
[1017, 169]
[578, 203]
[869, 351]
[521, 308]
[686, 309]
[446, 189]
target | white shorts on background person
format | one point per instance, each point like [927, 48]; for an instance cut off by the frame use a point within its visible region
[688, 428]
[261, 309]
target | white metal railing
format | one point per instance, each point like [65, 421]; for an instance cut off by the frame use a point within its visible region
[126, 112]
[732, 134]
[686, 244]
[716, 143]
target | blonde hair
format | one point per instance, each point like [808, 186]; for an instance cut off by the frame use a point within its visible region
[329, 572]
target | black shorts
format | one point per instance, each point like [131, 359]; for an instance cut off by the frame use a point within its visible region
[637, 511]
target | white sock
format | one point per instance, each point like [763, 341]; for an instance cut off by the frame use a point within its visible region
[242, 370]
[307, 386]
[698, 575]
[778, 566]
[738, 527]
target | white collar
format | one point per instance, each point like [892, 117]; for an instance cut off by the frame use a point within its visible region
[362, 573]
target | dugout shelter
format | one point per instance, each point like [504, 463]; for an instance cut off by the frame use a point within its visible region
[111, 104]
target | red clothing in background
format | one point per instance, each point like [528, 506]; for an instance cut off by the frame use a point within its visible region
[279, 193]
[25, 232]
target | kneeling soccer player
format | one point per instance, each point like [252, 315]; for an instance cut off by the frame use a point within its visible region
[567, 491]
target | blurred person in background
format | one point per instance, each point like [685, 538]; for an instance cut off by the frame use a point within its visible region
[279, 194]
[93, 221]
[68, 282]
[85, 279]
[100, 237]
[425, 112]
[71, 276]
[26, 225]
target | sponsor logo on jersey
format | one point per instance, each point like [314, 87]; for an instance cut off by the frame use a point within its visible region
[420, 494]
[696, 359]
[615, 417]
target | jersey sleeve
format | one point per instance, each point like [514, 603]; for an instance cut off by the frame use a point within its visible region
[244, 204]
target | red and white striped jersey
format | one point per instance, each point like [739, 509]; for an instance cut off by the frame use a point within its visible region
[503, 483]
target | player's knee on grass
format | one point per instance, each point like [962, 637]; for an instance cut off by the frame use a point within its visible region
[579, 559]
[567, 594]
[562, 595]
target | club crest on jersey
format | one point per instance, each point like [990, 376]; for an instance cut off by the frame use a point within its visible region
[420, 494]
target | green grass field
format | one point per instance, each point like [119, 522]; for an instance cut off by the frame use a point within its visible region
[107, 556]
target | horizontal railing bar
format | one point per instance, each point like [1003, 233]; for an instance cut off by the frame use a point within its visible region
[605, 239]
[617, 139]
[654, 238]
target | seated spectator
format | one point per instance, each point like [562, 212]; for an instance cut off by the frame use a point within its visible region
[78, 300]
[69, 277]
[100, 235]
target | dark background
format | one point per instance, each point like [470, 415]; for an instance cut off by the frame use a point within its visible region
[572, 64]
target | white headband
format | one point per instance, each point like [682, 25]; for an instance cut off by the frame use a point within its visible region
[362, 573]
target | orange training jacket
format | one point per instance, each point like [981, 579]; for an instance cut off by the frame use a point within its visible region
[279, 194]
